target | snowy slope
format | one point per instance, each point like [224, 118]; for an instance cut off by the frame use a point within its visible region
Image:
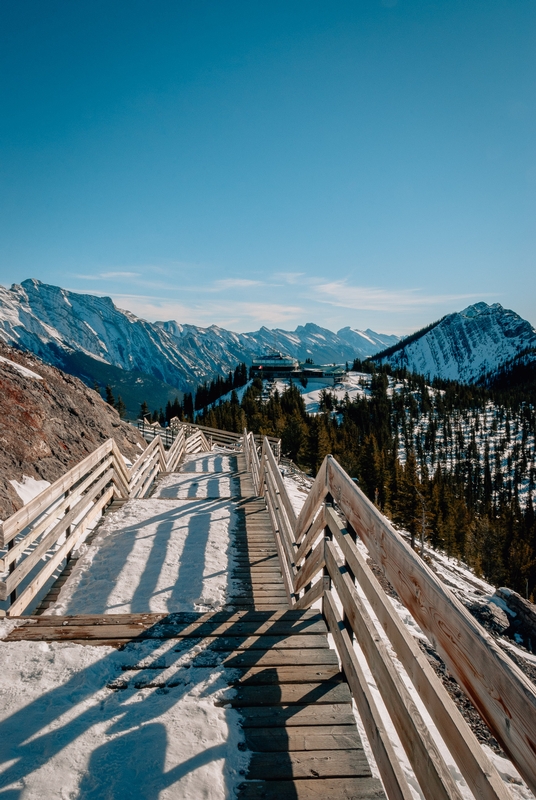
[465, 346]
[52, 322]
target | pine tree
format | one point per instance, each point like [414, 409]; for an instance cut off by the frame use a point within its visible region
[120, 407]
[110, 399]
[144, 410]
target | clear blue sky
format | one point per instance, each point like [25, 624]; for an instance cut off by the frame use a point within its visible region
[359, 163]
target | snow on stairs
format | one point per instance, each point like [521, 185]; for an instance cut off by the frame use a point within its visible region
[295, 704]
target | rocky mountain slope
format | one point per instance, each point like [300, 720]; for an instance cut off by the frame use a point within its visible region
[49, 422]
[464, 346]
[59, 326]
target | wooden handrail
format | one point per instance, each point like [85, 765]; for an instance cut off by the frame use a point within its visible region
[504, 697]
[71, 504]
[311, 565]
[14, 524]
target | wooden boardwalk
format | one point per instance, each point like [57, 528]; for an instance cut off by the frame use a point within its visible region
[295, 705]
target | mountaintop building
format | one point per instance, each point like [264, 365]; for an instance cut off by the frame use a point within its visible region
[276, 365]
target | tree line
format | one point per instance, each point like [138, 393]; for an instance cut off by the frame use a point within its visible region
[444, 459]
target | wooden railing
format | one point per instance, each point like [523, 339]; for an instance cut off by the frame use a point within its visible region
[40, 535]
[320, 561]
[227, 439]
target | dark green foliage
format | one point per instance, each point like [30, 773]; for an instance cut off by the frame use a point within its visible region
[110, 399]
[208, 393]
[408, 453]
[120, 407]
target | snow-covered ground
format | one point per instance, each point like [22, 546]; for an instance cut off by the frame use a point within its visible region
[491, 437]
[161, 554]
[67, 732]
[29, 487]
[468, 588]
[69, 727]
[355, 384]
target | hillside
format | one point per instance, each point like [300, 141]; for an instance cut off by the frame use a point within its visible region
[453, 451]
[463, 346]
[49, 422]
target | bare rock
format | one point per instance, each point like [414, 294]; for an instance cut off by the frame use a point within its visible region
[491, 617]
[49, 421]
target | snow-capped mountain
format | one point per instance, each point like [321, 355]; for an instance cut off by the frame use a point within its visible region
[55, 323]
[464, 346]
[307, 341]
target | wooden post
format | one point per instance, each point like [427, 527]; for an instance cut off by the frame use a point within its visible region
[328, 537]
[12, 567]
[345, 619]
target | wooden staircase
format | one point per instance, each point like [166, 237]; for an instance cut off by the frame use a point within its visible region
[295, 705]
[292, 578]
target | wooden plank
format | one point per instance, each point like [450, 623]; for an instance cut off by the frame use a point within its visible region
[282, 526]
[279, 658]
[303, 715]
[287, 570]
[276, 476]
[311, 566]
[313, 594]
[477, 769]
[119, 464]
[316, 494]
[258, 603]
[303, 764]
[178, 617]
[149, 477]
[319, 523]
[325, 692]
[313, 789]
[388, 764]
[41, 578]
[496, 686]
[141, 463]
[427, 762]
[142, 478]
[25, 515]
[263, 676]
[326, 737]
[215, 642]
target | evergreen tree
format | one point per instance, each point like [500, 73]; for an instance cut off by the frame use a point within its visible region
[121, 407]
[110, 399]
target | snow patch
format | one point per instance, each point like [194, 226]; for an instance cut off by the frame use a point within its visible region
[28, 373]
[29, 488]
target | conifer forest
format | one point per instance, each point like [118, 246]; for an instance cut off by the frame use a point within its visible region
[452, 464]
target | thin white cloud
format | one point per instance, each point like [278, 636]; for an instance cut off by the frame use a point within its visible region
[237, 315]
[120, 274]
[289, 277]
[108, 276]
[370, 298]
[236, 283]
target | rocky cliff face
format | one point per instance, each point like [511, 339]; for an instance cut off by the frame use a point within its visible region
[54, 323]
[49, 422]
[465, 346]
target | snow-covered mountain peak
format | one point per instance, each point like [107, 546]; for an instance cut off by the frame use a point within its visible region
[465, 345]
[480, 308]
[51, 322]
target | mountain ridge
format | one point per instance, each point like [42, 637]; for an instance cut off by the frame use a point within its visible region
[50, 321]
[465, 345]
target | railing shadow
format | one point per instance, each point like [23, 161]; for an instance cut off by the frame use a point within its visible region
[132, 762]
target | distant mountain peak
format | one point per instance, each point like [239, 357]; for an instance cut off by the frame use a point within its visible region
[51, 321]
[464, 345]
